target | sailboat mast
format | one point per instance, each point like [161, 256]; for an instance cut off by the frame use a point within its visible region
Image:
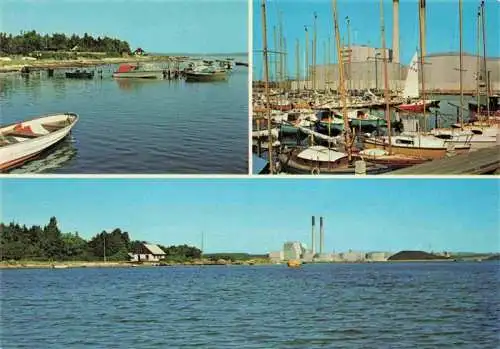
[266, 84]
[422, 52]
[315, 52]
[349, 70]
[276, 57]
[461, 66]
[297, 63]
[347, 130]
[483, 22]
[386, 77]
[478, 68]
[307, 55]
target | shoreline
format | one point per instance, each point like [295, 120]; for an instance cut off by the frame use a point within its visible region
[16, 65]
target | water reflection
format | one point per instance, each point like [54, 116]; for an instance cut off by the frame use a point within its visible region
[53, 158]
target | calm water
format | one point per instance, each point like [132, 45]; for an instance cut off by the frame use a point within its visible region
[419, 305]
[136, 126]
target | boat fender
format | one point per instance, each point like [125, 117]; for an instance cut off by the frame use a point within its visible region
[315, 171]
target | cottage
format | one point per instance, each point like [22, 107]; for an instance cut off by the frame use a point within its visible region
[147, 253]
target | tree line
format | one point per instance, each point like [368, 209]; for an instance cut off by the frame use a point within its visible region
[19, 242]
[30, 41]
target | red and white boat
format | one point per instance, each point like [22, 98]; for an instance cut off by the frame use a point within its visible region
[24, 141]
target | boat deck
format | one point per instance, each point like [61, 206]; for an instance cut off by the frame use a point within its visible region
[483, 161]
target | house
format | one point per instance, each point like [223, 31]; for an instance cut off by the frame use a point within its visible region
[147, 253]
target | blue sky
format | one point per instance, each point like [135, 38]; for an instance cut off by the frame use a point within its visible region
[258, 215]
[442, 26]
[163, 26]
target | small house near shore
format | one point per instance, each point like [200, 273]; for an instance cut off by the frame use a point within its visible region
[147, 253]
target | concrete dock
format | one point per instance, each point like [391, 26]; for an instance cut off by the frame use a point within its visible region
[483, 161]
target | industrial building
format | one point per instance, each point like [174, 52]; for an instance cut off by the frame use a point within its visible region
[293, 250]
[364, 68]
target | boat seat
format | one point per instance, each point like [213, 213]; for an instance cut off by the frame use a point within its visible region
[23, 134]
[54, 126]
[6, 140]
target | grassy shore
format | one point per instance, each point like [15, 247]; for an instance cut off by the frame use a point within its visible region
[101, 264]
[15, 65]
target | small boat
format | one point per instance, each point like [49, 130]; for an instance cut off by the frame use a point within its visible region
[424, 146]
[477, 137]
[360, 118]
[205, 76]
[393, 161]
[244, 64]
[130, 71]
[294, 263]
[318, 160]
[77, 74]
[21, 142]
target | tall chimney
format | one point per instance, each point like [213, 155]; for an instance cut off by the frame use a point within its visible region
[422, 25]
[313, 242]
[395, 31]
[321, 235]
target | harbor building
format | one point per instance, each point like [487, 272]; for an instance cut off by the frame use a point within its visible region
[276, 256]
[376, 256]
[353, 256]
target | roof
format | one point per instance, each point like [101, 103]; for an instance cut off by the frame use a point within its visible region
[154, 249]
[320, 153]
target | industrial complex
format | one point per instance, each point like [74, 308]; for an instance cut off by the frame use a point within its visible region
[316, 253]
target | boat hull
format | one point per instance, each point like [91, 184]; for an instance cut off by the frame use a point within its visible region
[368, 123]
[293, 166]
[200, 77]
[138, 75]
[16, 154]
[422, 152]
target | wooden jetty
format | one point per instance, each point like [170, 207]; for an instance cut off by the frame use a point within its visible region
[482, 161]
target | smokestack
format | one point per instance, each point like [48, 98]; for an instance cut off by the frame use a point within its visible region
[422, 25]
[395, 31]
[321, 235]
[313, 242]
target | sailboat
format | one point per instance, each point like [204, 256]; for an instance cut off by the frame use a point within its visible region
[411, 93]
[418, 146]
[478, 137]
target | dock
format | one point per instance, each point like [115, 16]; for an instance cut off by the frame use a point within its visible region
[479, 162]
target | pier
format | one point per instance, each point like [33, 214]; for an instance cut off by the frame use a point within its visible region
[479, 162]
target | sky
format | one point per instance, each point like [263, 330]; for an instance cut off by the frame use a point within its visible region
[259, 215]
[160, 26]
[443, 33]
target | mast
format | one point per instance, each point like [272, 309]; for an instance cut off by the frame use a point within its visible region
[349, 61]
[483, 22]
[328, 64]
[281, 44]
[422, 53]
[266, 84]
[478, 68]
[307, 56]
[315, 51]
[386, 78]
[324, 64]
[461, 66]
[285, 70]
[276, 58]
[347, 130]
[297, 63]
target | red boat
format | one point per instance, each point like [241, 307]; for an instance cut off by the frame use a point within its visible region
[418, 106]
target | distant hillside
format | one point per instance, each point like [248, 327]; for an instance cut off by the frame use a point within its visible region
[414, 256]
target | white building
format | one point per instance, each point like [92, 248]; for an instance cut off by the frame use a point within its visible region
[147, 253]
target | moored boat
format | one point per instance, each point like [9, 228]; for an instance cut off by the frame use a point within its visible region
[294, 263]
[130, 71]
[21, 142]
[78, 74]
[322, 160]
[424, 146]
[393, 161]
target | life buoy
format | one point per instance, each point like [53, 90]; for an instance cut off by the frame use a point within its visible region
[315, 171]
